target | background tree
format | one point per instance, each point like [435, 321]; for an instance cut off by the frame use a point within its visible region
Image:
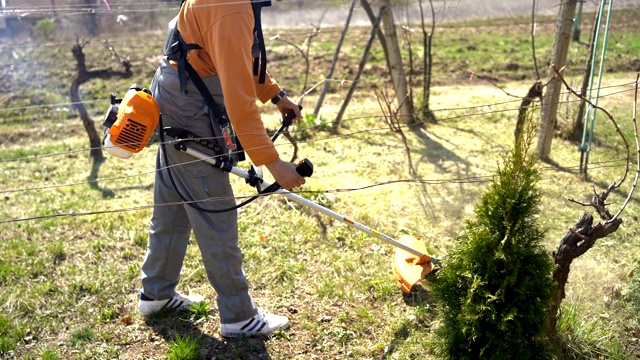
[427, 61]
[84, 75]
[363, 61]
[584, 234]
[552, 93]
[334, 62]
[396, 68]
[91, 17]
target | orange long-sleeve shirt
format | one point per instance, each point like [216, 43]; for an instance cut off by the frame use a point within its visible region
[224, 30]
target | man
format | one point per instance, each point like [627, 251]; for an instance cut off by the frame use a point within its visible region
[224, 32]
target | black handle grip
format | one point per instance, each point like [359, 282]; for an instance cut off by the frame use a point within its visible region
[305, 168]
[287, 119]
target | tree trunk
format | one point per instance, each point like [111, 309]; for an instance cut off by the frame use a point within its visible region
[91, 17]
[325, 86]
[365, 56]
[427, 62]
[535, 92]
[577, 241]
[552, 95]
[372, 17]
[95, 141]
[395, 65]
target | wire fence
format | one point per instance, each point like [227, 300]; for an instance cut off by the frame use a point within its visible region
[103, 17]
[113, 16]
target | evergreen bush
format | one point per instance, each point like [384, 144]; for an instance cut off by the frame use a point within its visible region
[495, 287]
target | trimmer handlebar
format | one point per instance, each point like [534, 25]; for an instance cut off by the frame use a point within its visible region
[305, 168]
[287, 120]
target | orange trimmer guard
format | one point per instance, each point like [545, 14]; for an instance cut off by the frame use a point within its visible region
[410, 268]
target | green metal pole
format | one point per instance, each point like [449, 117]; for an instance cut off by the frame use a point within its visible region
[583, 145]
[592, 111]
[575, 32]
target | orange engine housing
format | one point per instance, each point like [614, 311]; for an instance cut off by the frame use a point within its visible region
[138, 117]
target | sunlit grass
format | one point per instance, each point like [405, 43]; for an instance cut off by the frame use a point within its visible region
[184, 348]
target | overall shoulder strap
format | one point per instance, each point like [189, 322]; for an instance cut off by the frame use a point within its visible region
[259, 50]
[176, 50]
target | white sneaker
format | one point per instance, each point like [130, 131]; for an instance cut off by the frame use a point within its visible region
[148, 307]
[262, 323]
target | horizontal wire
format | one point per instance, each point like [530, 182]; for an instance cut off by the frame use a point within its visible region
[630, 89]
[290, 131]
[332, 137]
[66, 153]
[466, 180]
[56, 105]
[563, 93]
[152, 7]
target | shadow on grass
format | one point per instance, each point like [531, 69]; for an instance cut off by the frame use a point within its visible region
[437, 153]
[446, 163]
[399, 337]
[169, 325]
[93, 179]
[94, 184]
[419, 297]
[599, 185]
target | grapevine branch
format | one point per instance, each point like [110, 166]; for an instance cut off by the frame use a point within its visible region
[392, 119]
[584, 234]
[624, 139]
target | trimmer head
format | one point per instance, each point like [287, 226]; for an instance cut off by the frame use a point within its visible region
[410, 268]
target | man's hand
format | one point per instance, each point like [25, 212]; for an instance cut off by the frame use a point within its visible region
[285, 105]
[285, 173]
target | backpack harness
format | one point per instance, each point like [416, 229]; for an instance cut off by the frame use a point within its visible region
[177, 51]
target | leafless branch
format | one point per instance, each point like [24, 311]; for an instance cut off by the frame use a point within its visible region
[578, 202]
[583, 236]
[473, 74]
[125, 62]
[392, 119]
[624, 139]
[533, 39]
[635, 132]
[303, 50]
[577, 234]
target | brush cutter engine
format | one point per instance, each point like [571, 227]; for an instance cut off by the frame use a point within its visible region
[130, 122]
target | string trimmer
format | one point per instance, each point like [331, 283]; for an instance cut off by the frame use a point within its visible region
[411, 260]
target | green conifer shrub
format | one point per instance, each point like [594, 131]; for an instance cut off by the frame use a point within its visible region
[494, 288]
